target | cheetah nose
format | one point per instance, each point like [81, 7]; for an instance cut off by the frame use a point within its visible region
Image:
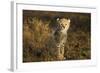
[62, 26]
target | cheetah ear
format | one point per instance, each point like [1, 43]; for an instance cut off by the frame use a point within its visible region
[69, 20]
[57, 19]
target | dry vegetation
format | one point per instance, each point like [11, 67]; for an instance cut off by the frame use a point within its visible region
[39, 44]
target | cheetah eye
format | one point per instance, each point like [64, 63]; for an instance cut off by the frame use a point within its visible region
[61, 24]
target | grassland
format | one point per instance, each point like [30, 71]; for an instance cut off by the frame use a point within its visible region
[38, 43]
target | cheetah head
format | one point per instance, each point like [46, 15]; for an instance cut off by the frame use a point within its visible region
[64, 23]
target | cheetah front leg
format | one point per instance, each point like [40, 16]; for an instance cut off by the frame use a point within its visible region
[60, 53]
